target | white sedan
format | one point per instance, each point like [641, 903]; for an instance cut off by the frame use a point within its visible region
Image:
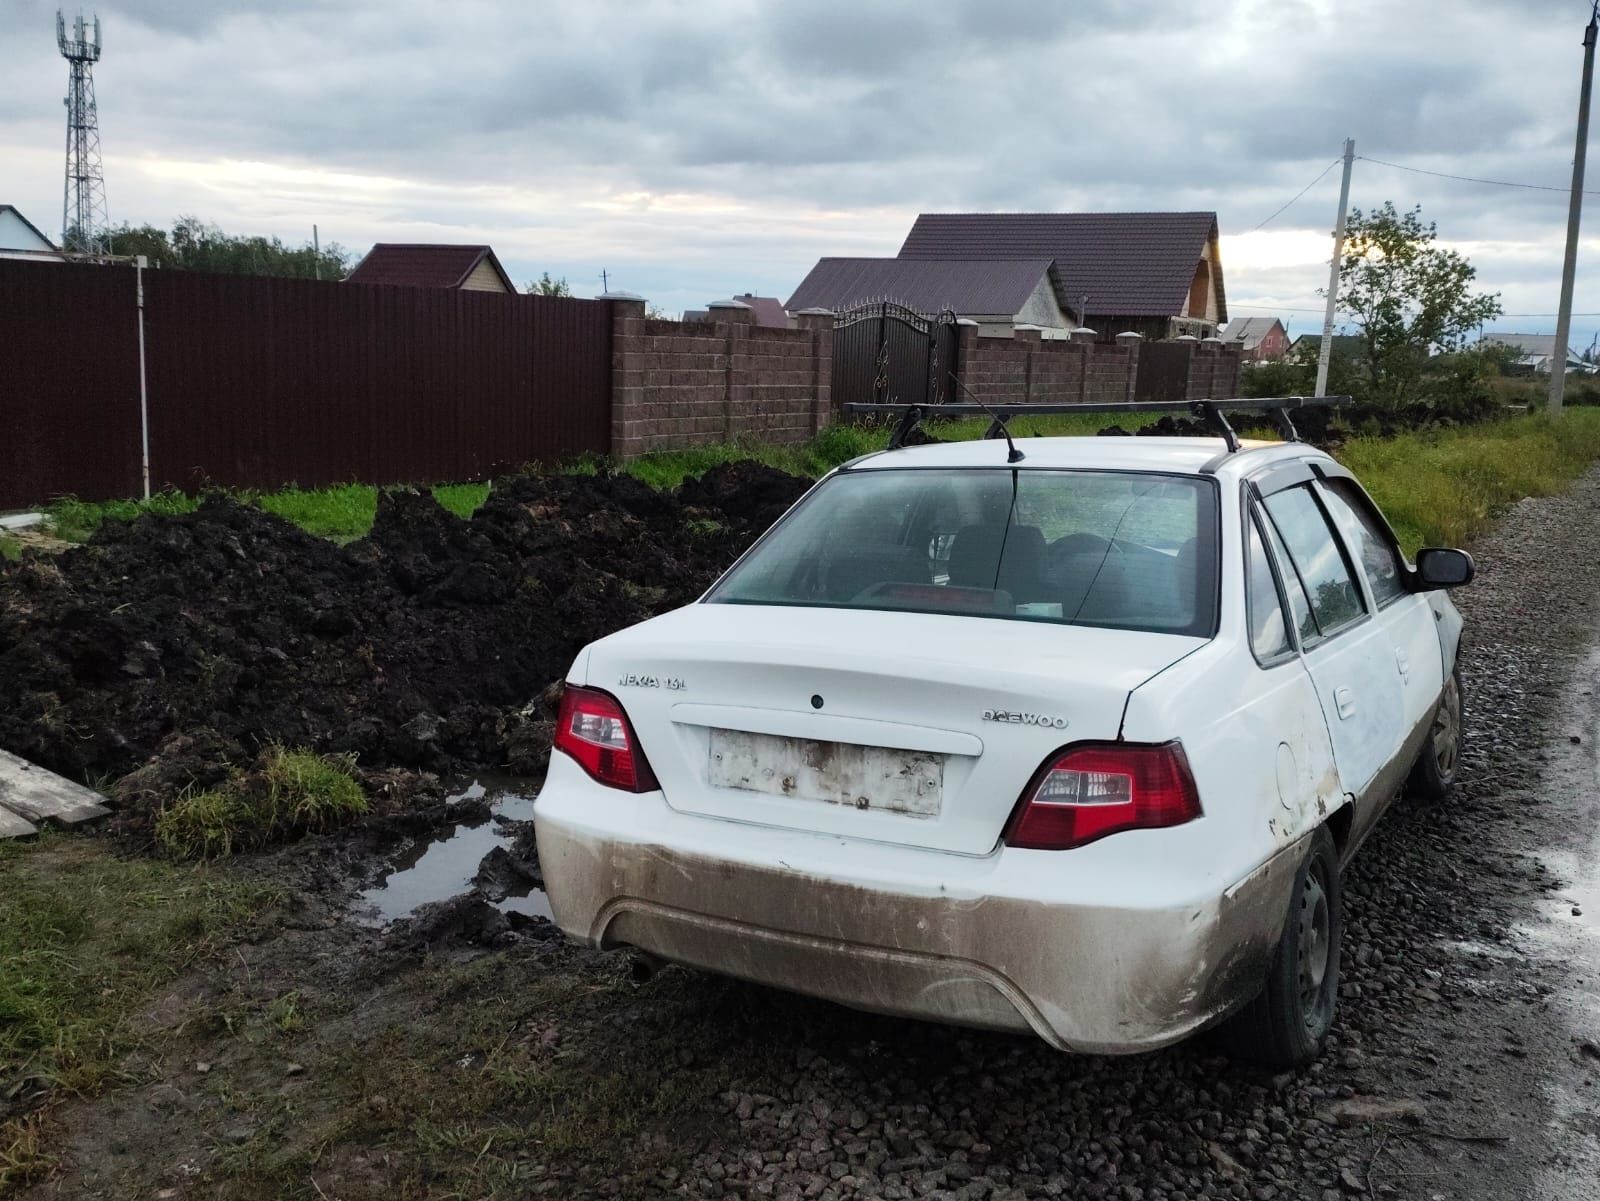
[1075, 745]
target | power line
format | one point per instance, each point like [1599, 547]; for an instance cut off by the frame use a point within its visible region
[1498, 183]
[1297, 195]
[1283, 308]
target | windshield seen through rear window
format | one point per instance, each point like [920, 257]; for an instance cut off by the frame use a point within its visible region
[1101, 548]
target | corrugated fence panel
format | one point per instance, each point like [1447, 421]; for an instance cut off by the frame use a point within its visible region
[258, 382]
[69, 382]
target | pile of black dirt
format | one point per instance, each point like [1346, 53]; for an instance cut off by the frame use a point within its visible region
[175, 644]
[745, 494]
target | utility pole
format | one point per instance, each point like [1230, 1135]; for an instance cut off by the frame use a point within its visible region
[605, 283]
[316, 252]
[1333, 271]
[1569, 266]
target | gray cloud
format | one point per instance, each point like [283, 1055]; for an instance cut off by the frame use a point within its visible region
[532, 124]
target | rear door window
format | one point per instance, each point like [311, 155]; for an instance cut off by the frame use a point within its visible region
[1317, 556]
[1269, 633]
[1380, 561]
[1119, 549]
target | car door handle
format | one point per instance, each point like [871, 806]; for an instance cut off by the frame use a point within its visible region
[1345, 700]
[1403, 664]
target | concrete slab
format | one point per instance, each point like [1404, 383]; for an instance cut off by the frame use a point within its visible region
[33, 794]
[12, 826]
[21, 521]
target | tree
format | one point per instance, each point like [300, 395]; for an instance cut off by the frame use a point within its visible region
[545, 286]
[1408, 295]
[194, 245]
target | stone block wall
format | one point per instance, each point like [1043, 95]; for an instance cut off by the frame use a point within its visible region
[677, 384]
[1214, 371]
[1028, 369]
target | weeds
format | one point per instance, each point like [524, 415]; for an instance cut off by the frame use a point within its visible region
[1443, 488]
[10, 546]
[289, 792]
[85, 938]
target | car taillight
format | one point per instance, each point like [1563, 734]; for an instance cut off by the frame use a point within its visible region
[593, 729]
[1087, 792]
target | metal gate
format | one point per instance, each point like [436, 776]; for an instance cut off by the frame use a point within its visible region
[883, 353]
[1163, 371]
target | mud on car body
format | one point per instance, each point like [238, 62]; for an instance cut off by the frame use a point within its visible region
[1075, 745]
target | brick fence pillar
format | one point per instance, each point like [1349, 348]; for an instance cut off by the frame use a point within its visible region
[629, 428]
[966, 343]
[1230, 359]
[1131, 341]
[1030, 338]
[820, 323]
[734, 319]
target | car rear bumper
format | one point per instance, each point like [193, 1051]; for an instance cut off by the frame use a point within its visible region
[1013, 945]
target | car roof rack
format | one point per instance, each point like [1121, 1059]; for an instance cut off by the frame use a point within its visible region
[1210, 411]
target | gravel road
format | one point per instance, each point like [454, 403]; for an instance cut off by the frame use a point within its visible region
[1464, 1062]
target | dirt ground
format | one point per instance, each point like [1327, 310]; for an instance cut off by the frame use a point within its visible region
[469, 1052]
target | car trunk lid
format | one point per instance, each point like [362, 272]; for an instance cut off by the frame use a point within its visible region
[909, 728]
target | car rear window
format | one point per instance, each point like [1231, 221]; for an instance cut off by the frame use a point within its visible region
[1100, 548]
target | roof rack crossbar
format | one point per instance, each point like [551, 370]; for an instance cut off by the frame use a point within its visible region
[1280, 415]
[1208, 412]
[1211, 411]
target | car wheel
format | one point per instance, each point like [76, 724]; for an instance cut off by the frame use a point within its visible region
[1284, 1027]
[1435, 769]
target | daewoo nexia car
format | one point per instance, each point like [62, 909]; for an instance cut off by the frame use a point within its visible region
[1075, 745]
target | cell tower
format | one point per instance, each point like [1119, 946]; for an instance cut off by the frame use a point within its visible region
[84, 222]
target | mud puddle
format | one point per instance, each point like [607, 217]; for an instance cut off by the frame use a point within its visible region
[459, 860]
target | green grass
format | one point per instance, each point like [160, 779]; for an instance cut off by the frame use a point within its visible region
[341, 512]
[10, 546]
[1436, 487]
[86, 938]
[841, 443]
[291, 791]
[1443, 488]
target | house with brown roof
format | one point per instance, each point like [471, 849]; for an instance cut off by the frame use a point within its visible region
[766, 311]
[432, 265]
[1157, 274]
[1259, 339]
[998, 294]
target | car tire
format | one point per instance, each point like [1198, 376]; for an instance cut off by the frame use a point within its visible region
[1287, 1023]
[1437, 764]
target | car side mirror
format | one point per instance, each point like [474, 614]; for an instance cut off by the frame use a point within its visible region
[1443, 567]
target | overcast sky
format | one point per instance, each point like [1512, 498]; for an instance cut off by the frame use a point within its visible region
[698, 149]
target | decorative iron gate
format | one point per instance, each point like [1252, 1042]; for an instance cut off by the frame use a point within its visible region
[883, 353]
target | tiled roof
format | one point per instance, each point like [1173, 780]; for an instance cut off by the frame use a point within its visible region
[1248, 331]
[423, 265]
[768, 310]
[972, 287]
[1128, 264]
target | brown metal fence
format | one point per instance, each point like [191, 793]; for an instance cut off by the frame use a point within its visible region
[257, 383]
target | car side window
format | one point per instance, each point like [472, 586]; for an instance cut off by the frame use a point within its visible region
[1269, 634]
[1304, 624]
[1318, 557]
[1379, 559]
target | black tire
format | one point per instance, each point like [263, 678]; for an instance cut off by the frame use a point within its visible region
[1287, 1023]
[1440, 758]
